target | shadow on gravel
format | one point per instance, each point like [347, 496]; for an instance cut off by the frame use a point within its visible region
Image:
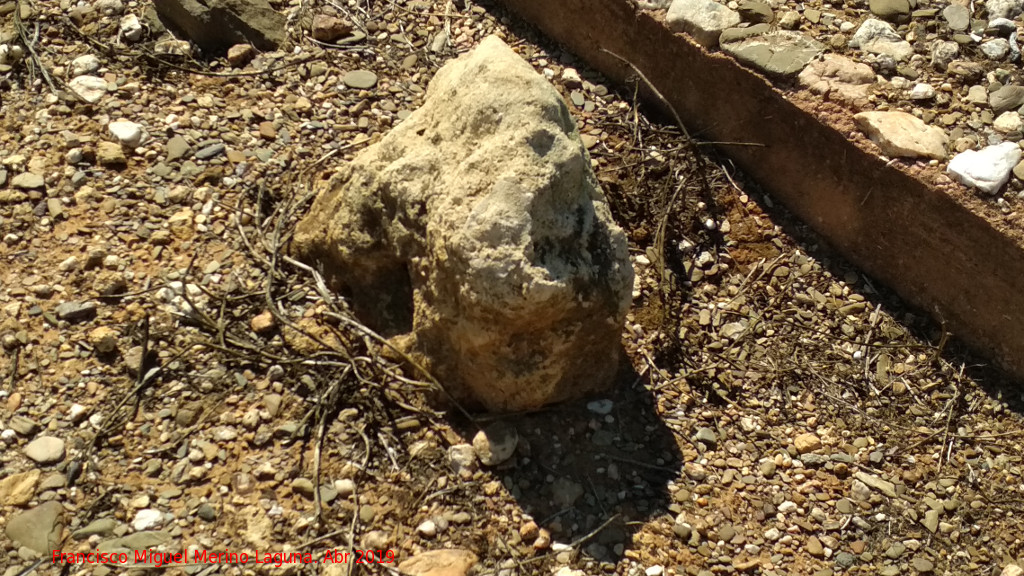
[592, 471]
[943, 350]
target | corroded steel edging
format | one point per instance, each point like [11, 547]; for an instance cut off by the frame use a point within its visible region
[929, 248]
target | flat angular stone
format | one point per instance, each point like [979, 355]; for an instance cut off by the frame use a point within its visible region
[903, 135]
[780, 53]
[987, 169]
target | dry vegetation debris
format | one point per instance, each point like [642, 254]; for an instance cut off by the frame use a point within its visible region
[781, 414]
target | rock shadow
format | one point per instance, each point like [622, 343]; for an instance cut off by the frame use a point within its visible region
[592, 471]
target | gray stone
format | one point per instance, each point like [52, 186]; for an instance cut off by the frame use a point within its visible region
[216, 25]
[895, 550]
[922, 565]
[756, 12]
[480, 212]
[76, 311]
[45, 450]
[845, 559]
[23, 425]
[137, 541]
[995, 49]
[977, 94]
[737, 34]
[706, 436]
[495, 443]
[206, 512]
[303, 486]
[177, 148]
[1006, 98]
[874, 482]
[944, 52]
[1004, 8]
[781, 53]
[1001, 27]
[790, 20]
[704, 20]
[879, 37]
[28, 181]
[85, 64]
[958, 17]
[362, 79]
[891, 10]
[565, 492]
[128, 133]
[931, 520]
[101, 527]
[38, 529]
[207, 152]
[987, 169]
[328, 493]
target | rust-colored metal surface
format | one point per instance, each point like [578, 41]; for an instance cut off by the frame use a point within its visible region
[914, 236]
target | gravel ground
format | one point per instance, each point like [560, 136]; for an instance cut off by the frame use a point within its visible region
[170, 381]
[954, 65]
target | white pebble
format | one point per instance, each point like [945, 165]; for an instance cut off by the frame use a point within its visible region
[147, 518]
[427, 529]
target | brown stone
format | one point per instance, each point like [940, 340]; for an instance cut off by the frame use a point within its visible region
[110, 154]
[439, 563]
[328, 28]
[18, 489]
[267, 130]
[807, 443]
[241, 54]
[262, 323]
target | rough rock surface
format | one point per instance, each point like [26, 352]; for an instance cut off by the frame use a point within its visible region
[879, 37]
[39, 528]
[1006, 98]
[839, 79]
[216, 25]
[781, 53]
[900, 134]
[483, 206]
[454, 562]
[704, 20]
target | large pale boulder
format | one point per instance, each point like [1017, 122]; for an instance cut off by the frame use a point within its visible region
[478, 227]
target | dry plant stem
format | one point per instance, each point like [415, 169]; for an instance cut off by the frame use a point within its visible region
[945, 435]
[325, 294]
[317, 506]
[15, 360]
[659, 239]
[20, 25]
[355, 497]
